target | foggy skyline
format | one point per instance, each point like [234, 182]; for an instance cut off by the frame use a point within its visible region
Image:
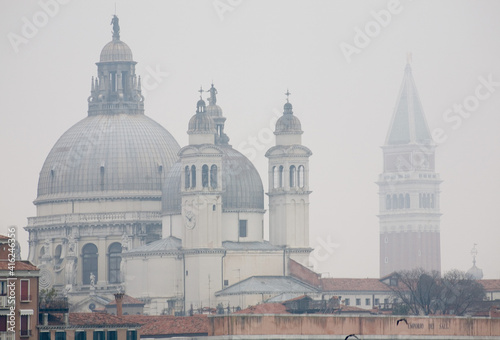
[253, 52]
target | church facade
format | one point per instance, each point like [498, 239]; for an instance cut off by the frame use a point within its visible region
[121, 206]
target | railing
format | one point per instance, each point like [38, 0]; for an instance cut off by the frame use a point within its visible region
[6, 336]
[3, 302]
[95, 217]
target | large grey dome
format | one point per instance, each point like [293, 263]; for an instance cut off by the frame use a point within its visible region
[108, 156]
[242, 188]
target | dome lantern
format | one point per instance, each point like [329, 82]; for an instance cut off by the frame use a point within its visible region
[116, 89]
[201, 128]
[288, 128]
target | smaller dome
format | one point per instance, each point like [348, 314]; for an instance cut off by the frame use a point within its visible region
[116, 50]
[214, 110]
[475, 272]
[288, 124]
[201, 122]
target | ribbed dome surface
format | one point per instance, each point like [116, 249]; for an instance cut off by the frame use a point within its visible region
[116, 50]
[201, 122]
[107, 153]
[214, 110]
[242, 188]
[288, 123]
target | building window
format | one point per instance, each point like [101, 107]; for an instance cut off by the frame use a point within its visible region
[401, 201]
[193, 176]
[394, 201]
[280, 179]
[89, 263]
[377, 302]
[25, 325]
[347, 301]
[80, 335]
[226, 283]
[301, 176]
[3, 323]
[3, 288]
[293, 176]
[388, 202]
[275, 177]
[114, 261]
[132, 335]
[204, 176]
[213, 176]
[99, 335]
[432, 201]
[386, 260]
[407, 201]
[358, 302]
[60, 336]
[243, 228]
[386, 301]
[367, 302]
[187, 173]
[45, 336]
[112, 335]
[25, 290]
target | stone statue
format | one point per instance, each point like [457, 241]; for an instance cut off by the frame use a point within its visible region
[70, 271]
[92, 280]
[213, 98]
[116, 26]
[125, 242]
[71, 245]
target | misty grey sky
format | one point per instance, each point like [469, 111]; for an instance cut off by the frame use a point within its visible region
[253, 51]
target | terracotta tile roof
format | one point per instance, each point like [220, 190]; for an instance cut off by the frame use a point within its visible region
[265, 308]
[303, 273]
[351, 309]
[333, 284]
[20, 265]
[127, 300]
[92, 320]
[155, 325]
[490, 285]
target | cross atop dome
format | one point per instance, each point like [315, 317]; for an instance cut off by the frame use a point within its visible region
[287, 94]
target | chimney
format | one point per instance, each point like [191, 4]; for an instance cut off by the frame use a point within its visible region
[119, 300]
[45, 319]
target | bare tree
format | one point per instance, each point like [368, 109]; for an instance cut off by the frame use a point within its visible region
[424, 293]
[459, 293]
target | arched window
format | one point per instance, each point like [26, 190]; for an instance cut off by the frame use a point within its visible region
[388, 202]
[394, 201]
[432, 201]
[193, 176]
[275, 177]
[204, 176]
[407, 201]
[301, 176]
[293, 176]
[280, 176]
[89, 262]
[187, 173]
[401, 201]
[213, 176]
[114, 260]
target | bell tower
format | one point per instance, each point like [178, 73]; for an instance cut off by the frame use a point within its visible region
[409, 189]
[289, 183]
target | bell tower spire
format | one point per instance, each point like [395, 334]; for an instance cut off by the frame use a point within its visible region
[409, 188]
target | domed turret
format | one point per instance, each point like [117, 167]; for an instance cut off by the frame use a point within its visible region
[116, 50]
[201, 127]
[474, 271]
[288, 129]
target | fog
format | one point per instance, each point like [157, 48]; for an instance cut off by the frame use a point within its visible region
[342, 61]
